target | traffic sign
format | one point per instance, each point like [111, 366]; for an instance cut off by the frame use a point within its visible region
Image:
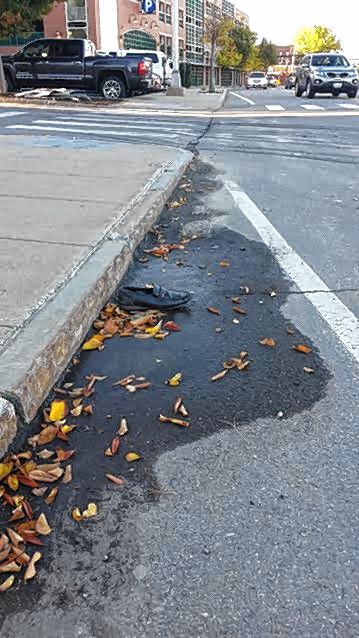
[148, 6]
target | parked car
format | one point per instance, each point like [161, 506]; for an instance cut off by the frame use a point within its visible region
[272, 81]
[326, 73]
[291, 81]
[161, 65]
[256, 80]
[74, 64]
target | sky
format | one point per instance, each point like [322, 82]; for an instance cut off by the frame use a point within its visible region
[279, 20]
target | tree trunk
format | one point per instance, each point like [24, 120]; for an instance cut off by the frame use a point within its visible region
[212, 79]
[3, 86]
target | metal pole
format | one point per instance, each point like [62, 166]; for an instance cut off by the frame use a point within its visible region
[176, 78]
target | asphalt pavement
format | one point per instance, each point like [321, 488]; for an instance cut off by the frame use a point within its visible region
[245, 523]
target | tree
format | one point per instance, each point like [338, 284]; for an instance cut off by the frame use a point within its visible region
[245, 42]
[18, 17]
[317, 39]
[267, 54]
[216, 27]
[253, 62]
[228, 55]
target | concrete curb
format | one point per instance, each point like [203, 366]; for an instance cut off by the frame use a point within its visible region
[40, 352]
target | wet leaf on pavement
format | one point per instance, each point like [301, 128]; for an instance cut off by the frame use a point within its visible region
[172, 326]
[214, 311]
[123, 429]
[302, 348]
[77, 410]
[219, 376]
[42, 527]
[51, 496]
[67, 474]
[45, 454]
[58, 410]
[308, 370]
[130, 457]
[5, 469]
[175, 380]
[7, 583]
[90, 511]
[239, 310]
[268, 341]
[169, 419]
[76, 515]
[115, 479]
[31, 570]
[47, 435]
[224, 263]
[94, 343]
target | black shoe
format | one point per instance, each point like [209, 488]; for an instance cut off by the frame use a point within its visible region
[151, 296]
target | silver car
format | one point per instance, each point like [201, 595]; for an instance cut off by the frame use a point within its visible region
[326, 73]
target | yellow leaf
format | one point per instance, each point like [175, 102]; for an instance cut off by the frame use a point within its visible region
[42, 527]
[130, 457]
[58, 410]
[94, 343]
[30, 570]
[155, 329]
[224, 263]
[302, 348]
[66, 429]
[13, 482]
[91, 510]
[175, 380]
[7, 583]
[5, 469]
[76, 515]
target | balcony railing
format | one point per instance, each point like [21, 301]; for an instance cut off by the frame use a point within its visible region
[17, 40]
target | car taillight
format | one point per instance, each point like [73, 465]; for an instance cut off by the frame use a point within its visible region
[142, 68]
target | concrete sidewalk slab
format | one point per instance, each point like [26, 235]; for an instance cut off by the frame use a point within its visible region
[70, 218]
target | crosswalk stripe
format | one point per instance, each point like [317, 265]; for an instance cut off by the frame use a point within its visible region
[274, 107]
[59, 129]
[349, 106]
[312, 107]
[140, 127]
[121, 120]
[11, 113]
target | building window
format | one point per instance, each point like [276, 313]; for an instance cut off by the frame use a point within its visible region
[181, 49]
[169, 46]
[137, 39]
[161, 11]
[162, 43]
[180, 18]
[168, 14]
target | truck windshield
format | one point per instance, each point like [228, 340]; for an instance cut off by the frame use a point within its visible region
[329, 60]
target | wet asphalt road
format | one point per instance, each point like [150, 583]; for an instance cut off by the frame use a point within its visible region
[244, 524]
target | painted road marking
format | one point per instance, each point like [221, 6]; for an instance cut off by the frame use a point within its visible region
[60, 129]
[241, 97]
[141, 127]
[12, 113]
[312, 107]
[84, 117]
[338, 317]
[344, 105]
[274, 107]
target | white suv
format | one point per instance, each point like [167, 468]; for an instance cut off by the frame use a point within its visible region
[257, 80]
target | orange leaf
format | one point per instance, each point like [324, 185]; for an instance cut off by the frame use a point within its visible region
[88, 409]
[115, 479]
[115, 444]
[47, 435]
[94, 343]
[268, 341]
[64, 455]
[214, 311]
[130, 457]
[168, 419]
[302, 348]
[240, 311]
[58, 410]
[52, 495]
[172, 326]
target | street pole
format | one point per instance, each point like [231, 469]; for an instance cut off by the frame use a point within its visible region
[175, 89]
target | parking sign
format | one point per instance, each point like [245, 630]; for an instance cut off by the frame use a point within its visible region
[148, 6]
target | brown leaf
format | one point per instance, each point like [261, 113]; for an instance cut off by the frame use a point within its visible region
[123, 429]
[76, 515]
[62, 436]
[115, 479]
[13, 482]
[31, 570]
[34, 540]
[168, 419]
[77, 410]
[224, 263]
[25, 480]
[64, 455]
[308, 370]
[142, 386]
[172, 326]
[115, 444]
[240, 310]
[40, 491]
[5, 553]
[27, 509]
[17, 514]
[7, 583]
[111, 326]
[23, 455]
[236, 299]
[125, 381]
[88, 409]
[40, 475]
[45, 454]
[14, 537]
[130, 457]
[21, 556]
[177, 404]
[268, 341]
[302, 348]
[10, 567]
[42, 527]
[58, 410]
[51, 496]
[219, 376]
[67, 475]
[214, 311]
[47, 435]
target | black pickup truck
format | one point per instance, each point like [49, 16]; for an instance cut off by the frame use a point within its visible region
[74, 64]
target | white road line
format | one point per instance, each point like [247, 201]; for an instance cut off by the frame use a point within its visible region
[338, 317]
[12, 113]
[120, 120]
[312, 107]
[241, 97]
[274, 107]
[142, 127]
[344, 105]
[59, 129]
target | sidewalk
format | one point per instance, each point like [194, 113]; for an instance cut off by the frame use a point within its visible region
[71, 216]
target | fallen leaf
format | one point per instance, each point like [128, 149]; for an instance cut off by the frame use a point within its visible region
[214, 311]
[67, 475]
[268, 341]
[64, 455]
[58, 410]
[13, 482]
[39, 491]
[245, 290]
[34, 540]
[125, 381]
[224, 263]
[40, 475]
[219, 376]
[42, 527]
[308, 370]
[75, 361]
[62, 436]
[175, 380]
[183, 410]
[115, 479]
[154, 329]
[130, 457]
[23, 455]
[76, 515]
[177, 404]
[240, 310]
[236, 299]
[168, 419]
[115, 444]
[290, 330]
[17, 514]
[177, 204]
[142, 386]
[27, 509]
[47, 435]
[302, 348]
[111, 326]
[14, 537]
[31, 570]
[123, 429]
[94, 343]
[78, 410]
[52, 495]
[130, 388]
[21, 556]
[88, 409]
[7, 583]
[5, 469]
[91, 510]
[10, 567]
[45, 454]
[172, 326]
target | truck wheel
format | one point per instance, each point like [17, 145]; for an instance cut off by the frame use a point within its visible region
[310, 90]
[353, 93]
[298, 90]
[9, 85]
[113, 88]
